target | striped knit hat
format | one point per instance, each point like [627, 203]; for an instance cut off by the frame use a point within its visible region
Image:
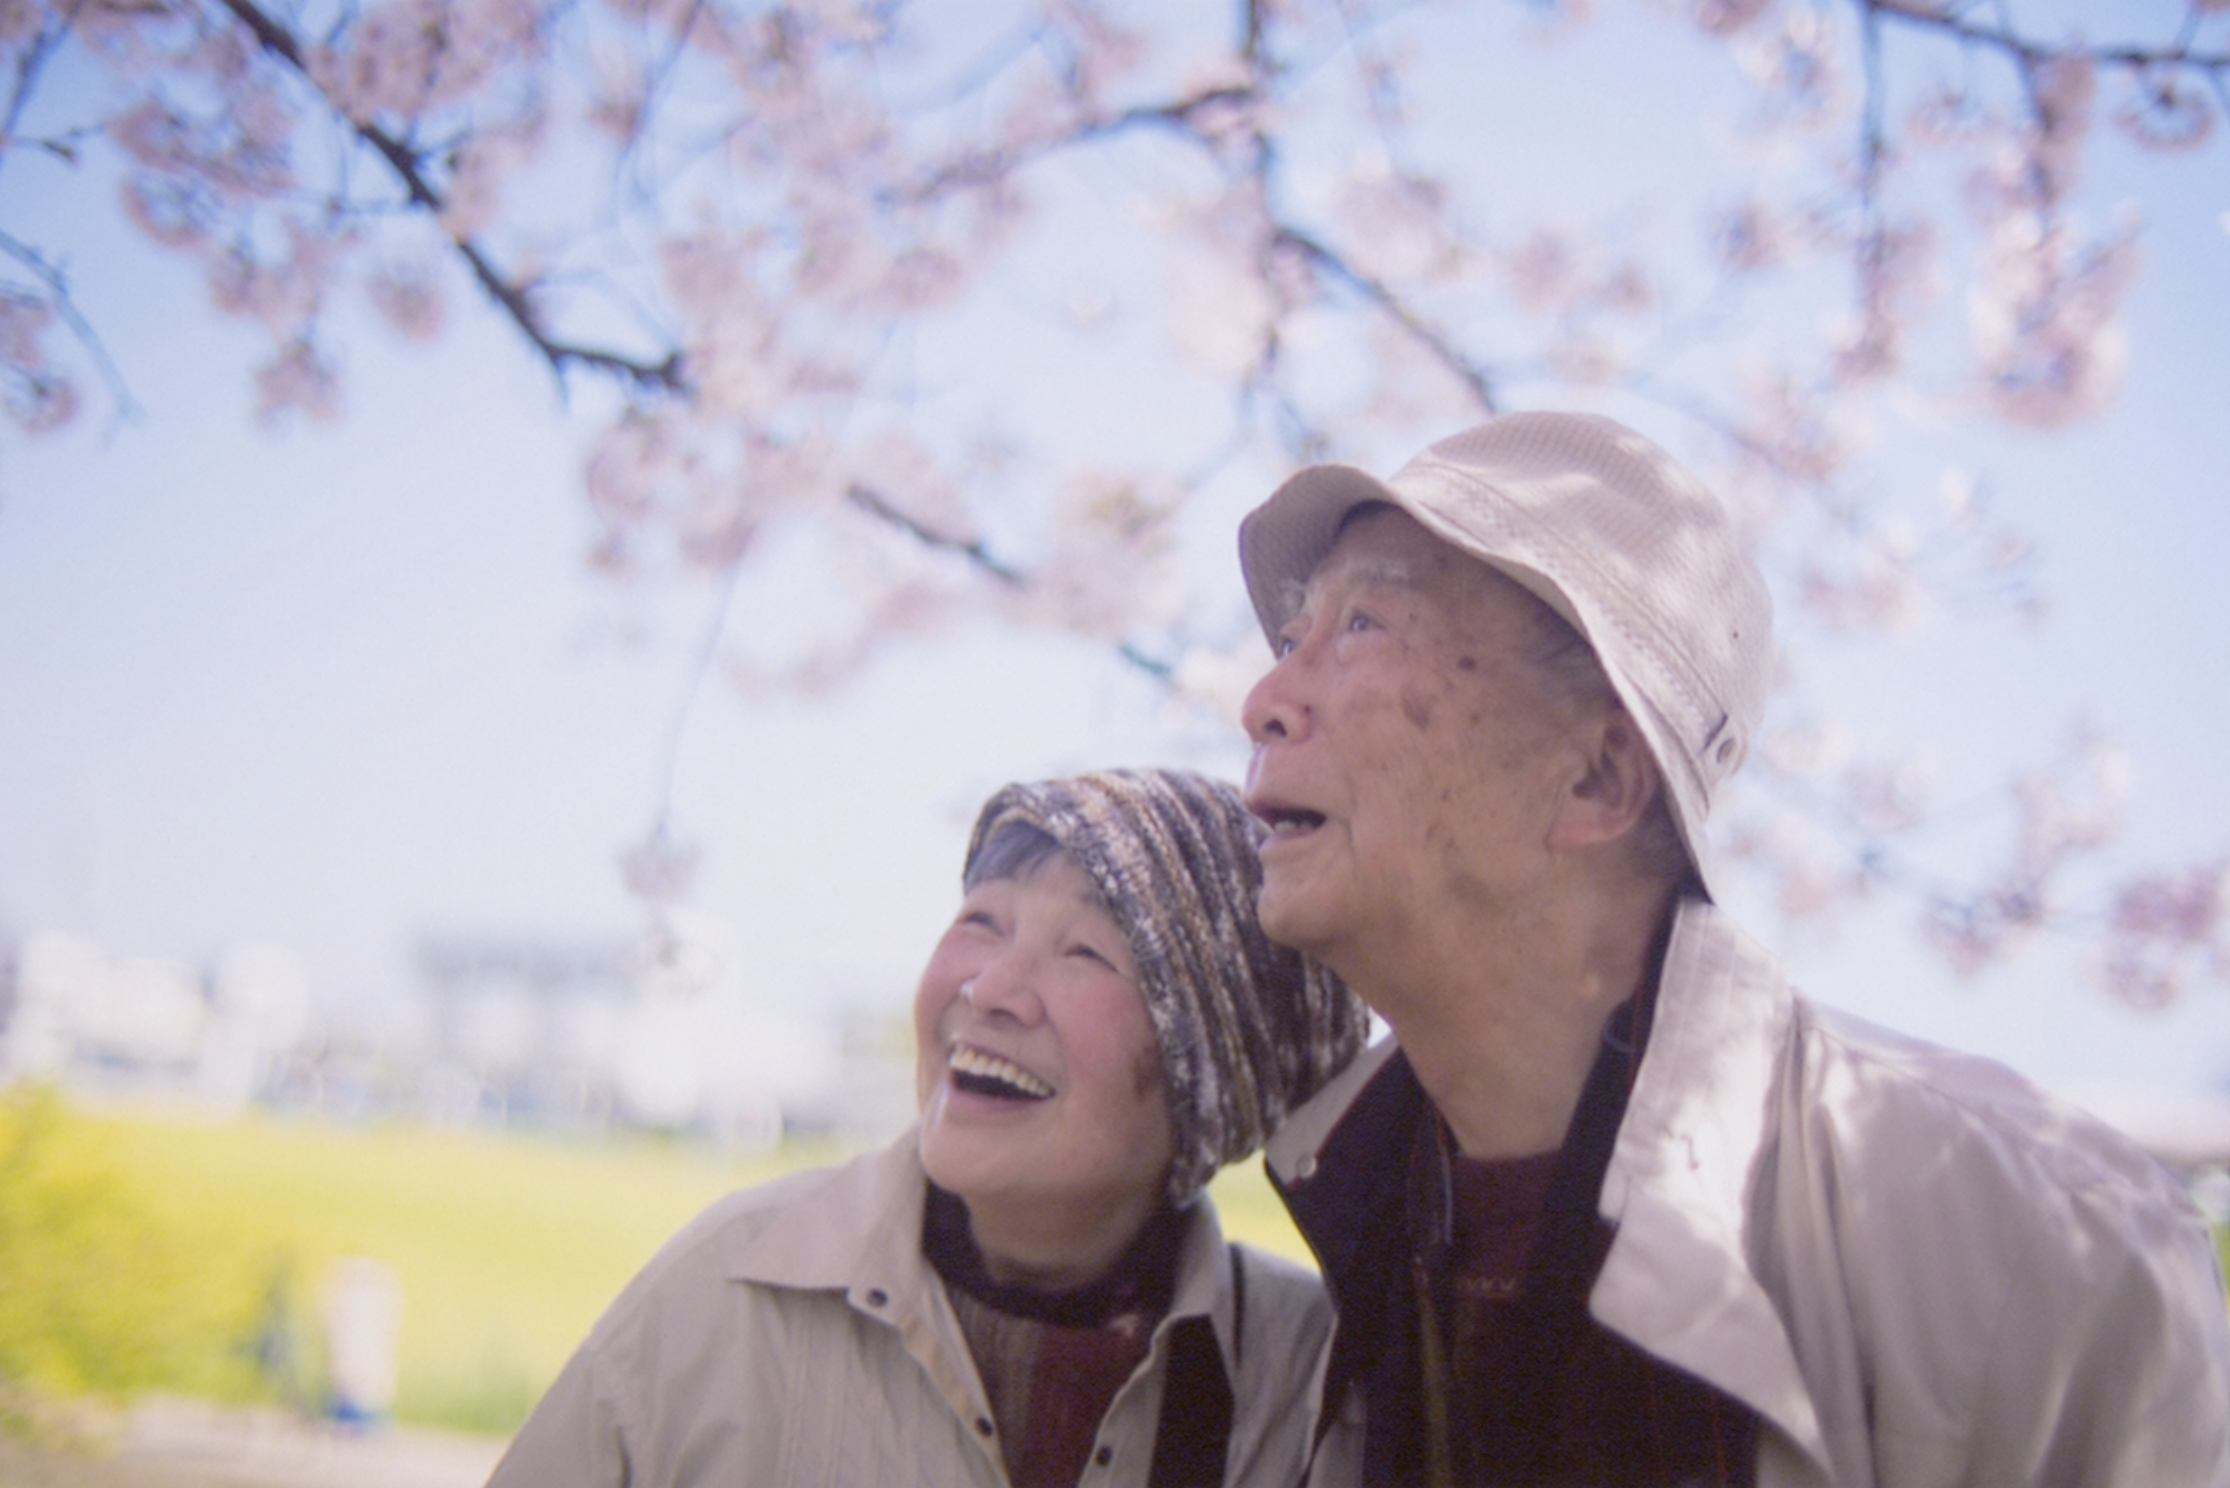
[1248, 1029]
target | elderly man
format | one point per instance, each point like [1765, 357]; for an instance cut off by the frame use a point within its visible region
[1614, 1205]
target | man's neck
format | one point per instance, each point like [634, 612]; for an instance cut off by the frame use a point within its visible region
[1502, 1036]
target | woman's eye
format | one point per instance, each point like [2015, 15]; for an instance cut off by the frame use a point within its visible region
[1090, 954]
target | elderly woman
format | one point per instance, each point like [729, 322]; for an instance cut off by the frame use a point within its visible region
[1029, 1288]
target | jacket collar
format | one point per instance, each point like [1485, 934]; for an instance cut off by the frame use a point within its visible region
[1677, 1280]
[1682, 1178]
[857, 1230]
[847, 1229]
[1295, 1149]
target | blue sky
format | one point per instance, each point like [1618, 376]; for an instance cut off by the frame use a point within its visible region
[340, 687]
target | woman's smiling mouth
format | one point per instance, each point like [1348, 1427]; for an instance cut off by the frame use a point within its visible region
[980, 1073]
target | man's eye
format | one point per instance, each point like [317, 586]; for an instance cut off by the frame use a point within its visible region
[1360, 621]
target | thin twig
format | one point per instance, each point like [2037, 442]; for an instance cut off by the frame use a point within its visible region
[977, 552]
[514, 299]
[1391, 305]
[58, 288]
[2004, 38]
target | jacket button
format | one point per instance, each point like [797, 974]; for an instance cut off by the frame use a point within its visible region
[876, 1296]
[1306, 1167]
[983, 1425]
[1104, 1456]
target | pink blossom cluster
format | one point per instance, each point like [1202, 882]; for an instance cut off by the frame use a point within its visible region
[38, 394]
[404, 59]
[2061, 821]
[2168, 930]
[659, 870]
[1105, 569]
[746, 212]
[298, 380]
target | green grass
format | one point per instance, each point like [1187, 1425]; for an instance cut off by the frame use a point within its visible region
[507, 1246]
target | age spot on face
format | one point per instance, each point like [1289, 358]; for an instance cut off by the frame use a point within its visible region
[1417, 708]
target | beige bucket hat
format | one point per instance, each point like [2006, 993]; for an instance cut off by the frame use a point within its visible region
[1605, 528]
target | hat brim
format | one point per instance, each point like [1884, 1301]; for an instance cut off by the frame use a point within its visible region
[1282, 542]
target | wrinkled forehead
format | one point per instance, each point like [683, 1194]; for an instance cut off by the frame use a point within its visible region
[1380, 547]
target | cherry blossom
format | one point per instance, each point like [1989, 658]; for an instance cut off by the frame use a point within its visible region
[739, 216]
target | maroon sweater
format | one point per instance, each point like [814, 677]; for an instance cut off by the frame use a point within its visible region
[1620, 1415]
[1052, 1361]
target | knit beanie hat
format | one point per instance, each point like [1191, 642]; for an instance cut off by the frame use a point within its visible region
[1248, 1029]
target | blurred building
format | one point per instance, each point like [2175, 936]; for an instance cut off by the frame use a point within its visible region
[579, 1036]
[142, 1025]
[658, 1032]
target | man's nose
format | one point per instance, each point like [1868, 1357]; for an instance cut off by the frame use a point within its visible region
[1274, 708]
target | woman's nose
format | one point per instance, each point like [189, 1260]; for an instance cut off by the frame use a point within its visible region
[1004, 987]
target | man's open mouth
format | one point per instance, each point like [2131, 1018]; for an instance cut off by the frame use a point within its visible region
[1288, 821]
[979, 1073]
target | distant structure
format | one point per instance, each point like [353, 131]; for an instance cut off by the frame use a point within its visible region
[654, 1033]
[517, 1028]
[142, 1025]
[571, 1036]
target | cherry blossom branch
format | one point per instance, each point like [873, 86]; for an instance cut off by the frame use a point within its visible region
[1386, 302]
[1930, 16]
[1873, 150]
[27, 71]
[977, 552]
[657, 78]
[514, 299]
[659, 869]
[1194, 118]
[57, 285]
[986, 167]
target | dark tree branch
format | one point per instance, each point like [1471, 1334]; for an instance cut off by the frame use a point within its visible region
[1921, 15]
[1386, 302]
[514, 299]
[983, 167]
[977, 552]
[27, 70]
[1153, 666]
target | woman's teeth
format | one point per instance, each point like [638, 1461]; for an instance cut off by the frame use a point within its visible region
[987, 1074]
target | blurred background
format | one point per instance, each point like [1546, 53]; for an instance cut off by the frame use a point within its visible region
[527, 532]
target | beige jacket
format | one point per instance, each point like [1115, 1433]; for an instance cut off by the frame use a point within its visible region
[1920, 1270]
[795, 1334]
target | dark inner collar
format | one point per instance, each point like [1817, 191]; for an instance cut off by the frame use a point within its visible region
[1142, 1280]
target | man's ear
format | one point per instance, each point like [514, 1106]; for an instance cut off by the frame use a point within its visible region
[1614, 783]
